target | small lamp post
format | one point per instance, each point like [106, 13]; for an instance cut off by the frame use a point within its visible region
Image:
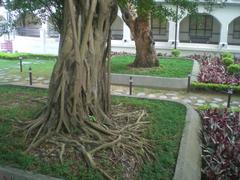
[189, 83]
[230, 93]
[30, 75]
[130, 85]
[20, 63]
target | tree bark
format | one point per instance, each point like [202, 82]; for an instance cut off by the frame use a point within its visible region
[78, 87]
[145, 46]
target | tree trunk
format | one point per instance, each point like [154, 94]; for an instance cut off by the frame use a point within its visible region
[145, 46]
[145, 50]
[78, 87]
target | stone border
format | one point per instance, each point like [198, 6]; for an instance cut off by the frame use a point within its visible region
[155, 82]
[189, 161]
[9, 173]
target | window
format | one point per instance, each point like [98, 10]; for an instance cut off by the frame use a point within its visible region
[236, 28]
[201, 26]
[159, 27]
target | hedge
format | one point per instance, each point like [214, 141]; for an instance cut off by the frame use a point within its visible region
[14, 56]
[215, 87]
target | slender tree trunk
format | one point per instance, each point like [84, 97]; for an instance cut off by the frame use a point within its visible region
[145, 46]
[78, 87]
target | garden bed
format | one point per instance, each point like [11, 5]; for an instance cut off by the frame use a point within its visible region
[221, 144]
[167, 122]
[218, 73]
[169, 67]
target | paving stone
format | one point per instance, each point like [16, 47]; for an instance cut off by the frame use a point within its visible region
[193, 97]
[200, 101]
[174, 98]
[198, 104]
[141, 94]
[235, 102]
[119, 91]
[214, 105]
[187, 101]
[46, 82]
[26, 63]
[152, 96]
[163, 97]
[40, 78]
[224, 104]
[218, 99]
[171, 94]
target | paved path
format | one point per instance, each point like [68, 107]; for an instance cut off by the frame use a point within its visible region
[195, 99]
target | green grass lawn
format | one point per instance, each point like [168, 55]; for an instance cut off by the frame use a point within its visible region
[40, 68]
[167, 122]
[169, 67]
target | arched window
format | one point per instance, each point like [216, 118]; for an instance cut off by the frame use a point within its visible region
[236, 28]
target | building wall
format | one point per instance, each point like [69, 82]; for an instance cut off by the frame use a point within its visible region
[122, 41]
[117, 29]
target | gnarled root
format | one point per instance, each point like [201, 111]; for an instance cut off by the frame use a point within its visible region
[93, 137]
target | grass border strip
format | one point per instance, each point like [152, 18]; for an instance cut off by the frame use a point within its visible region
[189, 162]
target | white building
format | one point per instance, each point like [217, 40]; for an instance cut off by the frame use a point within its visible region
[215, 31]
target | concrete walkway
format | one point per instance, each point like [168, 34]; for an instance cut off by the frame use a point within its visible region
[195, 99]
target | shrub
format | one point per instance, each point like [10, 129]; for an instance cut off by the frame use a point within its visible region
[176, 52]
[227, 55]
[14, 56]
[214, 87]
[234, 69]
[221, 144]
[227, 61]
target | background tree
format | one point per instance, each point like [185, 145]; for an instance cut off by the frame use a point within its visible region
[137, 15]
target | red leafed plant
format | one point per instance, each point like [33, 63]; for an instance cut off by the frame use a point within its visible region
[213, 71]
[221, 145]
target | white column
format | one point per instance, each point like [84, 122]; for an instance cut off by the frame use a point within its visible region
[223, 35]
[171, 33]
[126, 33]
[43, 36]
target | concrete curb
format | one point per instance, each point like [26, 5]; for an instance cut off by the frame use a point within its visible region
[149, 81]
[189, 164]
[9, 173]
[156, 82]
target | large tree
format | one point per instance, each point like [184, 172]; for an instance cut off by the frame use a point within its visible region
[79, 99]
[137, 15]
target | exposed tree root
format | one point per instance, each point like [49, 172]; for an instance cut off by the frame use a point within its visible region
[96, 137]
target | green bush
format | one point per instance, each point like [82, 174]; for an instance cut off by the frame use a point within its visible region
[234, 69]
[176, 52]
[227, 61]
[14, 56]
[215, 87]
[227, 55]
